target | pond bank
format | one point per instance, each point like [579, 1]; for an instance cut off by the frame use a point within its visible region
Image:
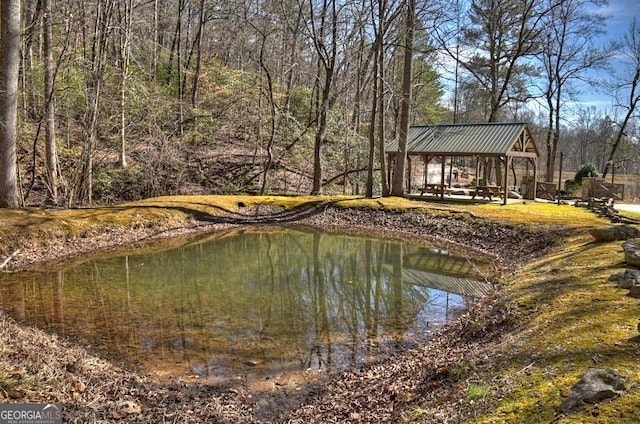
[37, 367]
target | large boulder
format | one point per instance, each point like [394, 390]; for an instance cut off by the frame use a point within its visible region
[618, 232]
[632, 252]
[595, 385]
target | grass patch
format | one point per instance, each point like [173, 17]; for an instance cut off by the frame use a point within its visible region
[573, 318]
[477, 391]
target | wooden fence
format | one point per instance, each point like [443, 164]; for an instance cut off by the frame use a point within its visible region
[592, 188]
[547, 191]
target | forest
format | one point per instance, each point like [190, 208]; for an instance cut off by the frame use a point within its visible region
[116, 100]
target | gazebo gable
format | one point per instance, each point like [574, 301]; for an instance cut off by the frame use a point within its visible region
[524, 145]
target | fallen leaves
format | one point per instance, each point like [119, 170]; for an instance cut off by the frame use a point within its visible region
[125, 409]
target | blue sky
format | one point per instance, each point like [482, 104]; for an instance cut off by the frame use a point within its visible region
[620, 14]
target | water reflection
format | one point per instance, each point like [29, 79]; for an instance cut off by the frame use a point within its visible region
[259, 302]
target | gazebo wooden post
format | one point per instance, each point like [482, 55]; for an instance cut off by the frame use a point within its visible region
[425, 161]
[505, 187]
[486, 171]
[477, 170]
[443, 170]
[389, 163]
[409, 174]
[535, 177]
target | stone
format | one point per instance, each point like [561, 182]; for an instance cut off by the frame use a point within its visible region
[634, 291]
[627, 279]
[595, 385]
[632, 252]
[618, 232]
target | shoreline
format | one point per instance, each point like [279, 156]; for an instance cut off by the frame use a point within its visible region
[84, 401]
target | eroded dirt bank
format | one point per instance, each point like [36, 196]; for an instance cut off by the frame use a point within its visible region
[38, 367]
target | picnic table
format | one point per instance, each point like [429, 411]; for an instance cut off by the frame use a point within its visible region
[436, 189]
[487, 192]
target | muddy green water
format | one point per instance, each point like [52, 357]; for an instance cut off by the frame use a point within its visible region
[254, 302]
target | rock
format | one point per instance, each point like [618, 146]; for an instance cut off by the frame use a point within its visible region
[632, 252]
[627, 279]
[634, 291]
[619, 232]
[595, 385]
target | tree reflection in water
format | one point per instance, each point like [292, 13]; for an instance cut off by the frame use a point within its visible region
[260, 302]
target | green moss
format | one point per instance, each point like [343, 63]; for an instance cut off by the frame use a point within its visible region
[477, 391]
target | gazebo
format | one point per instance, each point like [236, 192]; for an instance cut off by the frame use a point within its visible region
[502, 142]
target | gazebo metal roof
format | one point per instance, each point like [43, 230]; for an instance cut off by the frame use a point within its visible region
[487, 139]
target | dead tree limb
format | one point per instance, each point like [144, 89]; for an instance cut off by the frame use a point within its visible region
[6, 261]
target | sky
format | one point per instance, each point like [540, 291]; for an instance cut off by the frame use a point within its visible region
[620, 14]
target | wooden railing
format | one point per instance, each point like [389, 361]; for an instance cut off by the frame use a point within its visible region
[593, 188]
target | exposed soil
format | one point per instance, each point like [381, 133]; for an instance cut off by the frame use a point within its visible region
[428, 382]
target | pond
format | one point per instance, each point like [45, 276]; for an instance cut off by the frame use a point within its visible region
[250, 302]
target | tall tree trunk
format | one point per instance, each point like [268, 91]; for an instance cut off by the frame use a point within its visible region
[381, 115]
[198, 52]
[372, 126]
[295, 34]
[125, 40]
[397, 188]
[28, 83]
[272, 118]
[156, 40]
[321, 136]
[50, 127]
[9, 79]
[621, 134]
[328, 55]
[175, 44]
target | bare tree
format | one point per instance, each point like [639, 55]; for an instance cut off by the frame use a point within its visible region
[264, 30]
[33, 14]
[50, 117]
[96, 56]
[381, 22]
[9, 79]
[323, 28]
[198, 52]
[125, 16]
[397, 188]
[628, 87]
[568, 52]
